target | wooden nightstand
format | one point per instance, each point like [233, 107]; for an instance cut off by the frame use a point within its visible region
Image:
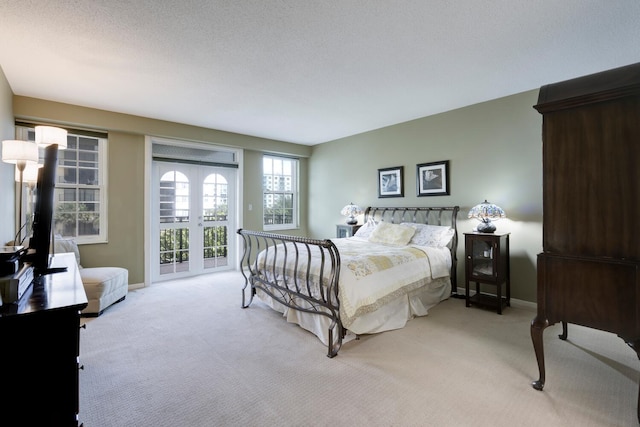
[346, 230]
[487, 261]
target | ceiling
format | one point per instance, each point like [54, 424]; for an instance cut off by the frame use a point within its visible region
[305, 72]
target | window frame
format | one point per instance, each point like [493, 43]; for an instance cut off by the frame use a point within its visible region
[27, 132]
[295, 193]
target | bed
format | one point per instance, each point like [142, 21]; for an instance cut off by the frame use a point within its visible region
[397, 266]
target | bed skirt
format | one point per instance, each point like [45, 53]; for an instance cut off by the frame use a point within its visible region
[393, 315]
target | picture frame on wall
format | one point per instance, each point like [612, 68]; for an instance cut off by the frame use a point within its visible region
[433, 178]
[390, 182]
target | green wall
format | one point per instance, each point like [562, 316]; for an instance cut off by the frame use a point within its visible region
[7, 195]
[494, 149]
[495, 153]
[125, 203]
[126, 246]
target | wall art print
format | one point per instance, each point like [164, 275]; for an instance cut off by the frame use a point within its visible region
[390, 182]
[433, 178]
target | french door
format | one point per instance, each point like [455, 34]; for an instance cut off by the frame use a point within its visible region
[194, 214]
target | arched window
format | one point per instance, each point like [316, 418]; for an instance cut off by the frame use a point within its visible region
[174, 197]
[215, 198]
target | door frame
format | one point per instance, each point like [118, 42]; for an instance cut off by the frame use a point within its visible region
[148, 188]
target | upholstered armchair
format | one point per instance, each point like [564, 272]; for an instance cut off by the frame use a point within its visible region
[104, 286]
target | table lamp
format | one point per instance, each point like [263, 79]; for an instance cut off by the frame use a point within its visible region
[485, 212]
[351, 211]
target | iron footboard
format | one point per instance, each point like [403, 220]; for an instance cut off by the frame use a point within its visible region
[298, 272]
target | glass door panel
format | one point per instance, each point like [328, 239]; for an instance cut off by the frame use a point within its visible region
[195, 211]
[215, 190]
[482, 258]
[174, 209]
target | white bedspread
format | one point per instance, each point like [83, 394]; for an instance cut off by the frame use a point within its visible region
[373, 275]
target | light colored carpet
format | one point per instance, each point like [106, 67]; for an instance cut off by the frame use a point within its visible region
[184, 353]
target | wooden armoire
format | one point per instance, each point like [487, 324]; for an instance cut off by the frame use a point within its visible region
[589, 270]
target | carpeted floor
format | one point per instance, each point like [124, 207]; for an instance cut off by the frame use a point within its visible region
[184, 353]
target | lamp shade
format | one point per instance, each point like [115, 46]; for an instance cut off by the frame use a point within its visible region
[485, 212]
[351, 211]
[19, 153]
[47, 135]
[30, 173]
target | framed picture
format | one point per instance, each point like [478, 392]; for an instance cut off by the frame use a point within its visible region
[390, 182]
[433, 178]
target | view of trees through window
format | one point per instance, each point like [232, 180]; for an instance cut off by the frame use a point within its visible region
[78, 188]
[79, 208]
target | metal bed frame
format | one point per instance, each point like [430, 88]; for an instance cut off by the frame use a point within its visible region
[295, 288]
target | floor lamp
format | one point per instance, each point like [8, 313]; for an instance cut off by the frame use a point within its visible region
[19, 153]
[30, 178]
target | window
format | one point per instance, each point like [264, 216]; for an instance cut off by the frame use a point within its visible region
[80, 208]
[280, 192]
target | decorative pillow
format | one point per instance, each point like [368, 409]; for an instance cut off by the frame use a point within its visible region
[392, 234]
[365, 231]
[430, 235]
[62, 245]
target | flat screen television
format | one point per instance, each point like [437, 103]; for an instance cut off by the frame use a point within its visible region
[40, 242]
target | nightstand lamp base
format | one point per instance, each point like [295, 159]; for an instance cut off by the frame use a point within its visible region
[486, 227]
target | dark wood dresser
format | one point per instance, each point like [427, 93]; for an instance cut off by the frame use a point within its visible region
[40, 349]
[588, 272]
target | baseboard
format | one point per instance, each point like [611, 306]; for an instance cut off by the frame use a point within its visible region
[134, 286]
[515, 303]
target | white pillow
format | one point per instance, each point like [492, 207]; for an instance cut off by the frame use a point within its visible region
[392, 234]
[366, 229]
[62, 245]
[430, 235]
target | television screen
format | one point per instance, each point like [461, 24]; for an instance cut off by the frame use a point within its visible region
[40, 241]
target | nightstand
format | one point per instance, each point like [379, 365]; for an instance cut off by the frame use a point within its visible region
[346, 230]
[487, 262]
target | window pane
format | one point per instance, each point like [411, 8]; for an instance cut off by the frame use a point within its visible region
[89, 224]
[68, 157]
[67, 176]
[77, 212]
[174, 250]
[277, 166]
[215, 246]
[215, 198]
[87, 144]
[88, 176]
[174, 197]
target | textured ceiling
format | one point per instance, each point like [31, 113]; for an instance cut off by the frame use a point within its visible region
[305, 71]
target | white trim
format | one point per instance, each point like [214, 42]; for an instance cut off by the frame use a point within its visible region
[295, 191]
[148, 169]
[148, 146]
[22, 132]
[240, 208]
[134, 286]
